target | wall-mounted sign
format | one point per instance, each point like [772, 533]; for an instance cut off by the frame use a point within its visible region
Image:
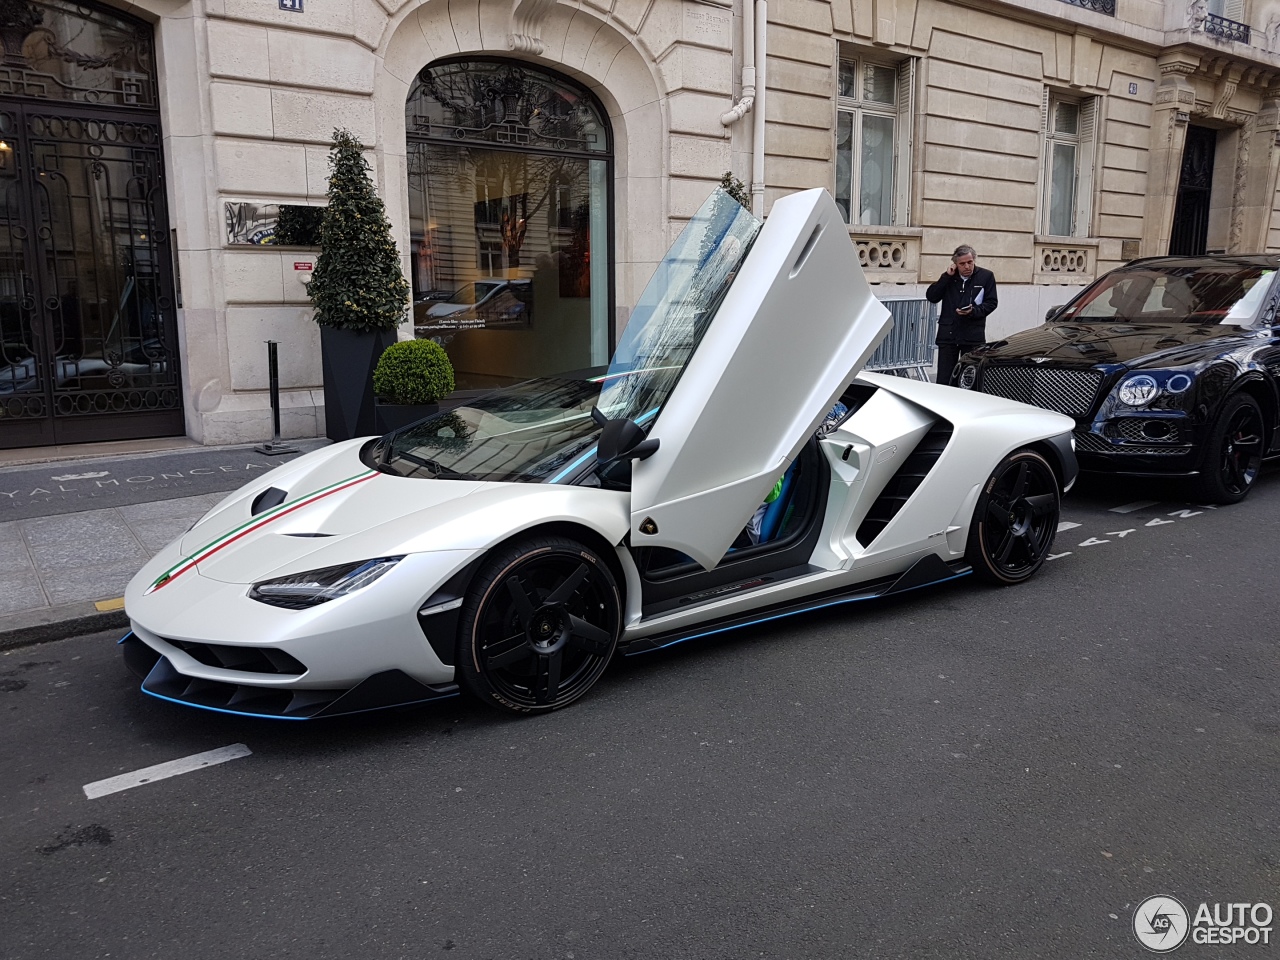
[278, 224]
[294, 6]
[1133, 87]
[303, 265]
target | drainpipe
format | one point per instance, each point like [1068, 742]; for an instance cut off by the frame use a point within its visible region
[748, 68]
[757, 127]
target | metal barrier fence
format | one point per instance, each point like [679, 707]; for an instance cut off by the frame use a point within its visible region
[908, 349]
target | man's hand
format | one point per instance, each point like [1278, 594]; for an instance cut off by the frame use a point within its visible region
[964, 311]
[951, 269]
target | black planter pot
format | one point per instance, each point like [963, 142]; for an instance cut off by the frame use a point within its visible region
[393, 416]
[348, 358]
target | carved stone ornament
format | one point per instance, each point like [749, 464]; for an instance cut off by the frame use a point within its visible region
[527, 17]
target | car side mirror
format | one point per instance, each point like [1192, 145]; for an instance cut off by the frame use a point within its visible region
[1053, 312]
[621, 440]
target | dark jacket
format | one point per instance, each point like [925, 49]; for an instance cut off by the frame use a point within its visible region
[954, 291]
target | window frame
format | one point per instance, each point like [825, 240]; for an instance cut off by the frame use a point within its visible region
[1085, 142]
[901, 111]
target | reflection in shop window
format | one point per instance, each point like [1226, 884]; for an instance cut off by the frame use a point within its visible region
[508, 169]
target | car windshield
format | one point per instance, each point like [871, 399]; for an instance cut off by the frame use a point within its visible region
[542, 430]
[1216, 293]
[473, 292]
[530, 432]
[676, 308]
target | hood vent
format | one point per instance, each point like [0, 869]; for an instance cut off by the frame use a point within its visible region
[268, 498]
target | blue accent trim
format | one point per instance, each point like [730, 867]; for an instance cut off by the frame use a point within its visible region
[124, 638]
[276, 716]
[790, 613]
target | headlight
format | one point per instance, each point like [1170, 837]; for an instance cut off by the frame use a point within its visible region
[1138, 391]
[968, 376]
[302, 590]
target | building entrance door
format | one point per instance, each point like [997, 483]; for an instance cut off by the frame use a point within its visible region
[88, 339]
[1191, 213]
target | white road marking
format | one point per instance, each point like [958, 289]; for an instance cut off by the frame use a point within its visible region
[1058, 556]
[1136, 505]
[1121, 533]
[1184, 513]
[1067, 525]
[162, 771]
[1157, 522]
[1092, 542]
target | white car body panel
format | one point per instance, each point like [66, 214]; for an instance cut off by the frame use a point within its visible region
[776, 355]
[742, 409]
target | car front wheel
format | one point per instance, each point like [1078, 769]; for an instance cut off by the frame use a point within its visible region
[538, 626]
[1234, 455]
[1015, 520]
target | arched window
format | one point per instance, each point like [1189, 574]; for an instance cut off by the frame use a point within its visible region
[509, 174]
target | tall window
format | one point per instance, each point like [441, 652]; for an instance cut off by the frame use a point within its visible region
[873, 136]
[1068, 165]
[509, 169]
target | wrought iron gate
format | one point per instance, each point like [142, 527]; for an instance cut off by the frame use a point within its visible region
[1191, 213]
[88, 339]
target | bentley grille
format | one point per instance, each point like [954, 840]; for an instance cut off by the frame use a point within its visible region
[1067, 391]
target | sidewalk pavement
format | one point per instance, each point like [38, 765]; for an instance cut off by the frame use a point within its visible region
[83, 527]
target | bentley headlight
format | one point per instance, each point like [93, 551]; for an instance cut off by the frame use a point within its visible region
[301, 590]
[1138, 391]
[968, 376]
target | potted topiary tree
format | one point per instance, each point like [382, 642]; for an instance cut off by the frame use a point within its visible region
[358, 289]
[408, 382]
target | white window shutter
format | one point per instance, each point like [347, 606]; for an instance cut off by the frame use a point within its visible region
[1233, 10]
[1046, 158]
[902, 146]
[1085, 162]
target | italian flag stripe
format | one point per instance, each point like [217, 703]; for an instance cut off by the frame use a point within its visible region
[257, 523]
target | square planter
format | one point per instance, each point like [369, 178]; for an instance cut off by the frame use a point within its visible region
[348, 358]
[393, 416]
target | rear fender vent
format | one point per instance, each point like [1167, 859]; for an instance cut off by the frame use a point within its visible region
[905, 482]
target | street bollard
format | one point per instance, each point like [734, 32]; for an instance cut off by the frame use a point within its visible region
[275, 446]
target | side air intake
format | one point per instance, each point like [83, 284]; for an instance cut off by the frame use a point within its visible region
[905, 482]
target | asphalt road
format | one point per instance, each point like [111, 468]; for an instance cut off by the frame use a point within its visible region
[961, 772]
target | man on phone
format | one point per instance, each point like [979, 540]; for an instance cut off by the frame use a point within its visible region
[967, 293]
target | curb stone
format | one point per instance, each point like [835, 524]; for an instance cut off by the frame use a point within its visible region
[48, 624]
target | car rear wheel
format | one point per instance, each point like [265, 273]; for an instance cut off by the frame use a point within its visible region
[539, 625]
[1234, 455]
[1015, 520]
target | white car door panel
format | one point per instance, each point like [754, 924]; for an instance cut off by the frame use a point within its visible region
[796, 325]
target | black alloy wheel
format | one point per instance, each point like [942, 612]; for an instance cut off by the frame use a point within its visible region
[1234, 456]
[539, 625]
[1015, 519]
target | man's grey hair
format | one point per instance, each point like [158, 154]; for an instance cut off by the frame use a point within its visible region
[964, 250]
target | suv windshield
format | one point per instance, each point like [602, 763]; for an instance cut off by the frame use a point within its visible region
[541, 430]
[1221, 293]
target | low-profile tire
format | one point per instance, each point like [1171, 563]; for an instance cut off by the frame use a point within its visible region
[1233, 457]
[538, 626]
[1015, 520]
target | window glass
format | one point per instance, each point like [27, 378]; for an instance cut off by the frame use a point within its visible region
[508, 203]
[1062, 189]
[876, 187]
[847, 85]
[880, 84]
[844, 162]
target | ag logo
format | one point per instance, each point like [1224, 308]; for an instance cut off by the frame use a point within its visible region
[1161, 923]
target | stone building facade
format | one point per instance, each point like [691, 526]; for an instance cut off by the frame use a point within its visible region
[1058, 137]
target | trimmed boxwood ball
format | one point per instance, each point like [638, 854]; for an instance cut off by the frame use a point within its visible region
[413, 371]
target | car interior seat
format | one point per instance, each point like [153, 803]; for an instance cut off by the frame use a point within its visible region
[771, 523]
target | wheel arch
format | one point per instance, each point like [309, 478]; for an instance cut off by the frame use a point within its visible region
[1263, 391]
[1053, 455]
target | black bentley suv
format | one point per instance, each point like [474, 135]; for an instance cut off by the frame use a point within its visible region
[1169, 365]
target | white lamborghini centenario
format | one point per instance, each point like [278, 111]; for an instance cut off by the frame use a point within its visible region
[731, 465]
